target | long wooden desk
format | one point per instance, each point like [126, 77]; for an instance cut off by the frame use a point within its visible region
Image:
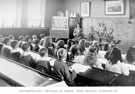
[95, 77]
[21, 76]
[122, 80]
[98, 77]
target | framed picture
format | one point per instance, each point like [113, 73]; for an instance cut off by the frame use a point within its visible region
[85, 9]
[114, 7]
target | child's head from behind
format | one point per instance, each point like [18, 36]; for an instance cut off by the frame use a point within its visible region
[6, 40]
[25, 46]
[62, 54]
[14, 44]
[43, 52]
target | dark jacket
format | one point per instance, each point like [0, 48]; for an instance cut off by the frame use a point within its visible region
[44, 66]
[28, 61]
[61, 70]
[15, 56]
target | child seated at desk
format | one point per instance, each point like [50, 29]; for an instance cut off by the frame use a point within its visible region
[130, 56]
[91, 58]
[28, 39]
[72, 53]
[43, 63]
[81, 52]
[15, 53]
[42, 37]
[115, 62]
[34, 37]
[43, 52]
[26, 57]
[5, 51]
[61, 70]
[36, 45]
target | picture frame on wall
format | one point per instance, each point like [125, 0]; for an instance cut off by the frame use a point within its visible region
[114, 7]
[85, 9]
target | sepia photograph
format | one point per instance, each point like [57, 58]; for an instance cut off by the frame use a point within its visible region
[67, 46]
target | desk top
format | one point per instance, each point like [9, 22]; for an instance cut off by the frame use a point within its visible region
[106, 78]
[100, 75]
[122, 80]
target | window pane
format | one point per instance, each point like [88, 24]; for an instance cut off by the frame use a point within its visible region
[8, 10]
[36, 14]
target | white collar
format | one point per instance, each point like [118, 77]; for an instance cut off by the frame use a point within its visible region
[46, 58]
[7, 46]
[14, 50]
[26, 53]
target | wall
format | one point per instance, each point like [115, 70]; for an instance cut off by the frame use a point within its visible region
[51, 9]
[97, 7]
[120, 23]
[23, 31]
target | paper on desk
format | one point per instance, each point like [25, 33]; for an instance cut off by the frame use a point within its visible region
[59, 84]
[101, 54]
[80, 68]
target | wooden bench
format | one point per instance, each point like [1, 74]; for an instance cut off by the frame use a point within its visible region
[21, 75]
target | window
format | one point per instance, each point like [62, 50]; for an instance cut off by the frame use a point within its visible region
[11, 13]
[8, 13]
[36, 13]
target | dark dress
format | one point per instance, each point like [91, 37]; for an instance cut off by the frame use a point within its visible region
[62, 72]
[28, 61]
